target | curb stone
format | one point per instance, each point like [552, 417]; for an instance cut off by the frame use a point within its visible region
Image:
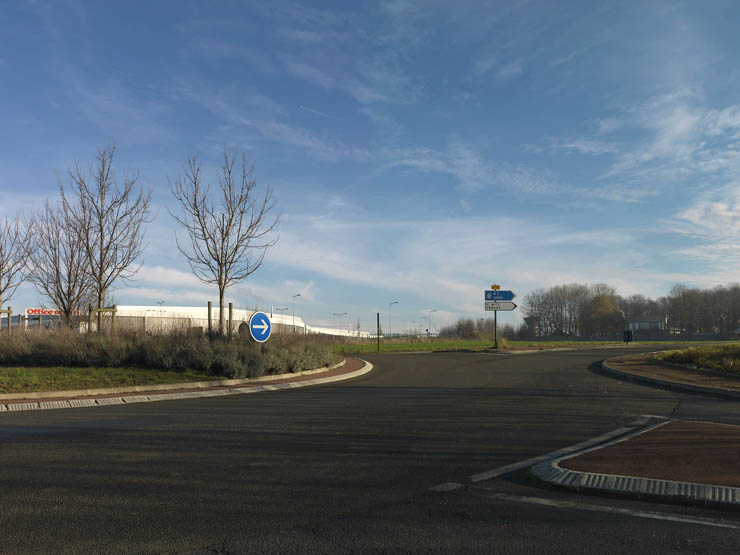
[106, 401]
[551, 472]
[666, 384]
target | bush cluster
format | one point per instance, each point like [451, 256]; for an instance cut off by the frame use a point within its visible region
[240, 358]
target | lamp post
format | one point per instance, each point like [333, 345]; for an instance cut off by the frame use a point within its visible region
[294, 296]
[279, 309]
[390, 318]
[429, 321]
[340, 319]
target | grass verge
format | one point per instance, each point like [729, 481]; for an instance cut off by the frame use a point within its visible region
[395, 346]
[718, 358]
[36, 378]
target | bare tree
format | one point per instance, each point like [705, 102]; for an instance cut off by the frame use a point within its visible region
[227, 242]
[109, 218]
[14, 249]
[57, 262]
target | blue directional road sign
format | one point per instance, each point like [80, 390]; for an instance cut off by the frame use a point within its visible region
[260, 327]
[499, 295]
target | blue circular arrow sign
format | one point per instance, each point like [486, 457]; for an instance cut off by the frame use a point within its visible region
[260, 327]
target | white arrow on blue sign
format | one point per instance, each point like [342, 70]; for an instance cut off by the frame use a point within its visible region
[498, 295]
[260, 327]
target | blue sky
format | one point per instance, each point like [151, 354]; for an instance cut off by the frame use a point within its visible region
[420, 151]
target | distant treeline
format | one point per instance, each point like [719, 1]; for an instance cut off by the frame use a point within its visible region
[579, 310]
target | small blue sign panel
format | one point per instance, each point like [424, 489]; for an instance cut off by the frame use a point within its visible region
[499, 295]
[260, 327]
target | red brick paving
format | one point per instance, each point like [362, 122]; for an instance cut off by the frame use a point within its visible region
[700, 452]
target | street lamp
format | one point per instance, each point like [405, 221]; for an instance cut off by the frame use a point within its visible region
[429, 321]
[340, 320]
[390, 318]
[294, 296]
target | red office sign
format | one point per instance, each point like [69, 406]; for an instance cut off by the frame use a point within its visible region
[46, 312]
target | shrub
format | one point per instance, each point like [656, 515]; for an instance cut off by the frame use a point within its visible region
[240, 358]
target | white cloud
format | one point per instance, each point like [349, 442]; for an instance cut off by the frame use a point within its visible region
[608, 125]
[473, 172]
[583, 146]
[715, 218]
[681, 138]
[510, 70]
[452, 259]
[233, 111]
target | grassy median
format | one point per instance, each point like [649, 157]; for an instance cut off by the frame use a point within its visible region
[63, 359]
[35, 378]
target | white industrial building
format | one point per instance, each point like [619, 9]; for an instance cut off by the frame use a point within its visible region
[158, 319]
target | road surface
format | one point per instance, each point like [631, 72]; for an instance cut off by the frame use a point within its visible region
[347, 467]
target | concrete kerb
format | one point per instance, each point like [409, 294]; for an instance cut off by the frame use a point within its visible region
[624, 375]
[106, 401]
[551, 472]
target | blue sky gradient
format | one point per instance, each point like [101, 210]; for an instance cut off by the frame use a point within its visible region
[420, 151]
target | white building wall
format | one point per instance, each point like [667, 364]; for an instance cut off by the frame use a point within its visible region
[161, 318]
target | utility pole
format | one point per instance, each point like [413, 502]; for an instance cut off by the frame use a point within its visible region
[377, 333]
[294, 296]
[340, 320]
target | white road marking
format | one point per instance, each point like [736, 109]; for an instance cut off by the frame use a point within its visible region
[614, 510]
[447, 486]
[552, 455]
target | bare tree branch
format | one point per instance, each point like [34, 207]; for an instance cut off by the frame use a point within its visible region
[228, 242]
[57, 262]
[14, 248]
[109, 219]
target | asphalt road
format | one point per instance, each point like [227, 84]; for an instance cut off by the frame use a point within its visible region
[346, 467]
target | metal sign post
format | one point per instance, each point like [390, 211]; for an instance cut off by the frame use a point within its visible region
[494, 300]
[495, 329]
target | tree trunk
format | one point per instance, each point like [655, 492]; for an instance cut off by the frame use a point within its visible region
[101, 295]
[221, 292]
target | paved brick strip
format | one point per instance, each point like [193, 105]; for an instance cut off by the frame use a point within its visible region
[678, 460]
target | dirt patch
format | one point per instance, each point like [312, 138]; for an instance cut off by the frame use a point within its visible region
[700, 452]
[643, 366]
